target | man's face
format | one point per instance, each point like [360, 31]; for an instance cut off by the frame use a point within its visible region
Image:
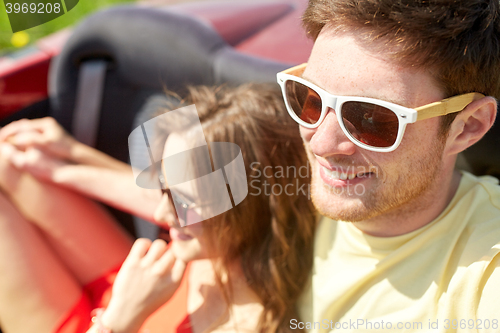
[399, 181]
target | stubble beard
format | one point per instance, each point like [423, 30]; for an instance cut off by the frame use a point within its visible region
[393, 194]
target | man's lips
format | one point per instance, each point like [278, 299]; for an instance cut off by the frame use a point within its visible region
[343, 176]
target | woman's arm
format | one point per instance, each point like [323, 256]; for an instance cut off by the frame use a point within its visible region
[113, 187]
[47, 135]
[42, 148]
[148, 278]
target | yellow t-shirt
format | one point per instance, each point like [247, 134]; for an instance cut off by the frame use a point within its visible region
[443, 277]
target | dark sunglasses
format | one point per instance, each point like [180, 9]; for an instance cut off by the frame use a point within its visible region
[369, 123]
[181, 206]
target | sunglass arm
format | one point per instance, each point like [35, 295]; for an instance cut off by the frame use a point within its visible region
[446, 106]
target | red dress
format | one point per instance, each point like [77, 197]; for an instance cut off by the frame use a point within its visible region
[172, 317]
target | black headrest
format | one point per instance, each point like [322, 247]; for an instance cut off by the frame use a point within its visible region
[147, 50]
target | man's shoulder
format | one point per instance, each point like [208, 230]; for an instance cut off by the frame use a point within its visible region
[477, 202]
[478, 211]
[480, 207]
[484, 187]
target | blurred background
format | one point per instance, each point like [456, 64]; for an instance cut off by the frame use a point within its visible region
[10, 42]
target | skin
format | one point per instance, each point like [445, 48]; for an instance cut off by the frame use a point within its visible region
[34, 216]
[189, 243]
[41, 148]
[34, 157]
[147, 279]
[152, 272]
[410, 186]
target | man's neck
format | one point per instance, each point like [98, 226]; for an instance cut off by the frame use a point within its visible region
[416, 213]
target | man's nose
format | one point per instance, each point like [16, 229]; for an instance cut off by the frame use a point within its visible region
[165, 214]
[329, 139]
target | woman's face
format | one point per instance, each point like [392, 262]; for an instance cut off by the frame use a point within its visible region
[188, 242]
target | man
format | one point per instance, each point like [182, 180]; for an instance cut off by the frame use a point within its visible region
[422, 251]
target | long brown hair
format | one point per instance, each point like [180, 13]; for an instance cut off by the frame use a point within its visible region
[271, 231]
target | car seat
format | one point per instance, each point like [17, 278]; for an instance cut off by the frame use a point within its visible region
[107, 78]
[118, 59]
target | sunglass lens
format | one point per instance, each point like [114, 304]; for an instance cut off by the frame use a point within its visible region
[370, 124]
[182, 210]
[303, 101]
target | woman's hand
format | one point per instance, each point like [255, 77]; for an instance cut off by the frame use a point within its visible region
[38, 146]
[43, 134]
[148, 278]
[42, 148]
[32, 160]
[49, 138]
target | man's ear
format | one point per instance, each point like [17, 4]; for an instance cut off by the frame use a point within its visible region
[471, 124]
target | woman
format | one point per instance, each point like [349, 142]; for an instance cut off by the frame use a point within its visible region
[248, 265]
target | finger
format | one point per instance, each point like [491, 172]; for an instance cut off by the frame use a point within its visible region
[40, 164]
[46, 124]
[13, 128]
[139, 249]
[165, 263]
[157, 249]
[10, 153]
[178, 270]
[19, 126]
[30, 157]
[6, 151]
[19, 158]
[24, 125]
[28, 139]
[22, 159]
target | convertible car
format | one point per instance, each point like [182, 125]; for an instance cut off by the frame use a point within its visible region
[96, 79]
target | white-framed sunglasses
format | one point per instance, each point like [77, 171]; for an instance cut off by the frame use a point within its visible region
[369, 123]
